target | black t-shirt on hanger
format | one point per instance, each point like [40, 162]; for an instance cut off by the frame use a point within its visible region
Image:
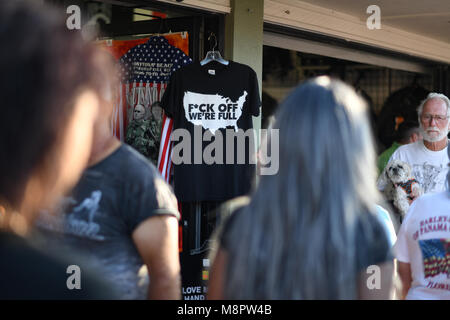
[218, 98]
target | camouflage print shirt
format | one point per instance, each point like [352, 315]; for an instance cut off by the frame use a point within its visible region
[144, 136]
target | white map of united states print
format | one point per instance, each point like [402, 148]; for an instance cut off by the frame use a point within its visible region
[213, 111]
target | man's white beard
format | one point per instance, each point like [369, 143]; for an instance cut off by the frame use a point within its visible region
[431, 137]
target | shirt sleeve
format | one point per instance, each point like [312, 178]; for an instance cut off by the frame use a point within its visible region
[171, 97]
[372, 243]
[148, 198]
[181, 60]
[255, 99]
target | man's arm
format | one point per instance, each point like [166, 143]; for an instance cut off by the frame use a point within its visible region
[404, 271]
[157, 242]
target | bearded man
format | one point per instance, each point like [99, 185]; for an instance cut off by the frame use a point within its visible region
[428, 158]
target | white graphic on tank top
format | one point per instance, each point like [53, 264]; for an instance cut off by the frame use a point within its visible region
[80, 222]
[213, 111]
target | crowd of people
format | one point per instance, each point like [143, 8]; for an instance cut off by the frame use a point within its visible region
[71, 194]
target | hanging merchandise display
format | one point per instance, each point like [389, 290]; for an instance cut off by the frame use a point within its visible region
[212, 103]
[206, 104]
[145, 67]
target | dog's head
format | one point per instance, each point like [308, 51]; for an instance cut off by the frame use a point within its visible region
[398, 171]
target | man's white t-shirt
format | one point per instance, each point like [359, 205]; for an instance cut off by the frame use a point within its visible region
[428, 167]
[424, 242]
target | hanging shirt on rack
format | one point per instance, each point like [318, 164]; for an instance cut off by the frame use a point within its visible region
[220, 99]
[145, 65]
[165, 150]
[146, 69]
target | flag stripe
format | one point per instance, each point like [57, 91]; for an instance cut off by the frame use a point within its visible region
[167, 150]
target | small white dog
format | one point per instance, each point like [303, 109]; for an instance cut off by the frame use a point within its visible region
[402, 186]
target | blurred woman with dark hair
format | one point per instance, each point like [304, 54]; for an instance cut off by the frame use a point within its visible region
[310, 231]
[48, 104]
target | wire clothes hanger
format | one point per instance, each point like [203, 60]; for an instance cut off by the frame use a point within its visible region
[213, 55]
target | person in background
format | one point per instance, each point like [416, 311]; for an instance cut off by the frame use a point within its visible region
[407, 132]
[428, 157]
[122, 216]
[48, 109]
[310, 231]
[423, 247]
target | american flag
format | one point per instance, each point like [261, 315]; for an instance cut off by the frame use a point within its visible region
[145, 71]
[165, 149]
[156, 51]
[436, 256]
